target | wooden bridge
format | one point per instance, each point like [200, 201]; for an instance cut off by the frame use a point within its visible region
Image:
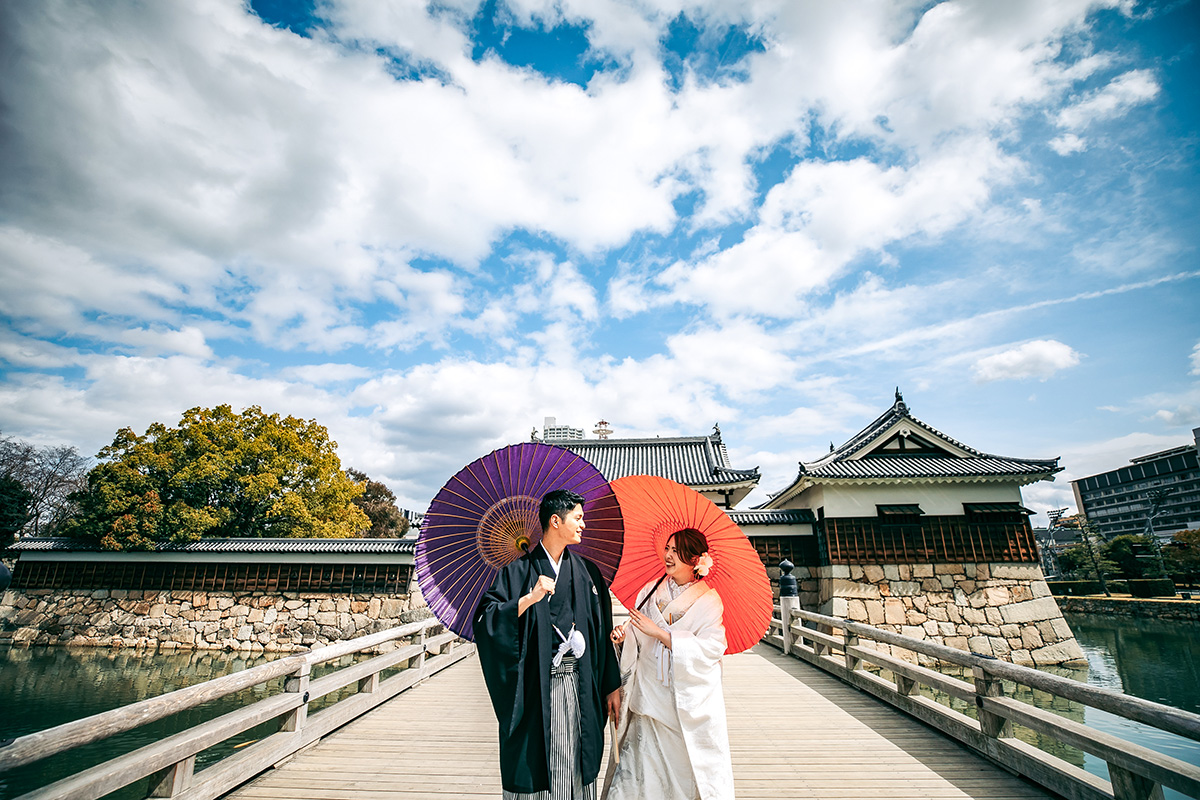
[805, 714]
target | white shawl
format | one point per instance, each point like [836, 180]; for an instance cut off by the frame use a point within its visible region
[691, 701]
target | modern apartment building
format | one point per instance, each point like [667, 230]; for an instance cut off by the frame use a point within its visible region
[1120, 501]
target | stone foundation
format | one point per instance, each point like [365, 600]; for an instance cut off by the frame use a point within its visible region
[254, 622]
[1001, 609]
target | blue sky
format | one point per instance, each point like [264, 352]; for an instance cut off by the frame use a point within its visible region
[429, 226]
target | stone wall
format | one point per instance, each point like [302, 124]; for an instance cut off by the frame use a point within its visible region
[1132, 607]
[1001, 610]
[254, 622]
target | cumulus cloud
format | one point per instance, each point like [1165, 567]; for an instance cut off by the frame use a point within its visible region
[1040, 359]
[450, 246]
[1068, 143]
[1113, 100]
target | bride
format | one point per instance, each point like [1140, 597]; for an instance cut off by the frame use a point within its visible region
[673, 740]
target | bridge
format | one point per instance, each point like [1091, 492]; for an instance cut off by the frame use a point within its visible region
[823, 708]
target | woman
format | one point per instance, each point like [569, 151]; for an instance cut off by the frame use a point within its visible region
[673, 737]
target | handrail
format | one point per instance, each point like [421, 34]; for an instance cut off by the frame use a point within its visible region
[1135, 771]
[175, 755]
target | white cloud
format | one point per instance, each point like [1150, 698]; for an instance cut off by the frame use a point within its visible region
[1196, 359]
[1040, 359]
[1068, 143]
[1123, 93]
[827, 213]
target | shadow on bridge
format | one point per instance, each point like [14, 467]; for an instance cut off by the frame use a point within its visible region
[794, 731]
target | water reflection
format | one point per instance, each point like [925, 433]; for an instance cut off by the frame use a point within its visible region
[1148, 658]
[1153, 659]
[41, 687]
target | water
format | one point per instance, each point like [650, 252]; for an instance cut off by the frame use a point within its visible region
[1153, 659]
[45, 686]
[41, 687]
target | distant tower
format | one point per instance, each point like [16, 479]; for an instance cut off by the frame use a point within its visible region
[602, 429]
[553, 432]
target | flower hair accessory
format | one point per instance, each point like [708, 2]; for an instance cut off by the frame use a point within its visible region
[703, 564]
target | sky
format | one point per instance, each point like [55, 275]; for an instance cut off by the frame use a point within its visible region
[428, 226]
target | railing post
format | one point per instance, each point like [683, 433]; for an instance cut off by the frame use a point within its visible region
[789, 601]
[175, 779]
[1128, 785]
[986, 685]
[820, 648]
[850, 640]
[421, 656]
[297, 684]
[788, 605]
[369, 684]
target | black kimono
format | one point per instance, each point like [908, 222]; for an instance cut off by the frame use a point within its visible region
[515, 653]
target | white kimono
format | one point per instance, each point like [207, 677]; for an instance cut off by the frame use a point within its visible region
[673, 737]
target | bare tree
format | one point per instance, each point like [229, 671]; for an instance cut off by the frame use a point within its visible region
[50, 475]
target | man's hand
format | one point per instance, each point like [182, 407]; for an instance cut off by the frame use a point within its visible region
[618, 634]
[613, 703]
[543, 587]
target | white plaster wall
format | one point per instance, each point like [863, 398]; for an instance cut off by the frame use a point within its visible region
[934, 498]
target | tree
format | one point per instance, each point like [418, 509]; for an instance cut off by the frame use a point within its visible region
[1183, 555]
[379, 504]
[217, 474]
[15, 502]
[50, 475]
[1086, 559]
[1126, 551]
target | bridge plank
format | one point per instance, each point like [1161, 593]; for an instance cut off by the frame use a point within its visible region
[794, 732]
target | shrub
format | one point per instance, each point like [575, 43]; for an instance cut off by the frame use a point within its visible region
[1074, 587]
[1152, 587]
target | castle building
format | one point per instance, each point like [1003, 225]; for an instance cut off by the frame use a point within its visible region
[699, 462]
[901, 527]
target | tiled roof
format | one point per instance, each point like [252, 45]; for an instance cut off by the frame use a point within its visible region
[696, 461]
[955, 462]
[771, 516]
[928, 467]
[371, 546]
[839, 464]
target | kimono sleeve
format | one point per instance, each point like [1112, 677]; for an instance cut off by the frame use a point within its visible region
[499, 638]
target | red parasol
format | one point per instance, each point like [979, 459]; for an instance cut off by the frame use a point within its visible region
[653, 508]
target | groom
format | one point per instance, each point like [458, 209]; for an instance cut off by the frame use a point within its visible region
[542, 632]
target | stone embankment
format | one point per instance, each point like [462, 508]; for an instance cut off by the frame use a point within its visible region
[1132, 607]
[993, 609]
[254, 622]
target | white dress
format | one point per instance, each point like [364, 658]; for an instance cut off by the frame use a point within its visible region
[673, 738]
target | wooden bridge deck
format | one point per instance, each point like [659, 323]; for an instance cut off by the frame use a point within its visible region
[794, 730]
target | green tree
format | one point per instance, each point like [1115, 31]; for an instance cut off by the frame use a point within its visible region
[1183, 555]
[1086, 560]
[379, 504]
[1125, 552]
[217, 474]
[15, 504]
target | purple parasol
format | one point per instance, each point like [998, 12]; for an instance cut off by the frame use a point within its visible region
[486, 517]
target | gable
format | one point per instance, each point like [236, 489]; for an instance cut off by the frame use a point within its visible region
[907, 442]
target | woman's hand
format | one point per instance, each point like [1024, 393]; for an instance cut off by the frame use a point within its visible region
[648, 627]
[618, 634]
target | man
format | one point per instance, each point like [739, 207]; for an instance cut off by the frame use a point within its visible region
[543, 637]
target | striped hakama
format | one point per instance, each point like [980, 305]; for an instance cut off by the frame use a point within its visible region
[566, 770]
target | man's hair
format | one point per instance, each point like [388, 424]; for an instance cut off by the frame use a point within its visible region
[558, 502]
[690, 544]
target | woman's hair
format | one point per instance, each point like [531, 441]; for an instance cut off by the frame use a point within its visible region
[690, 544]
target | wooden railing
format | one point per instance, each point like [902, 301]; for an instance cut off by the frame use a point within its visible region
[1136, 772]
[171, 762]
